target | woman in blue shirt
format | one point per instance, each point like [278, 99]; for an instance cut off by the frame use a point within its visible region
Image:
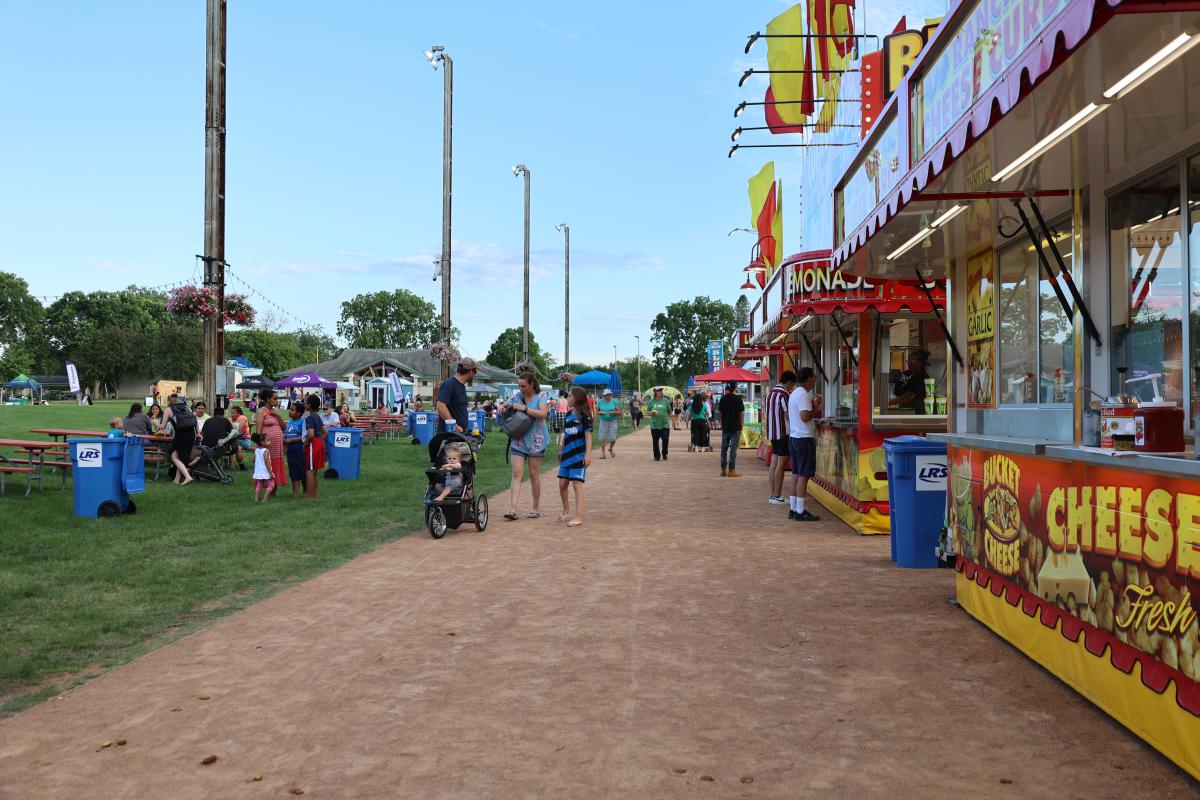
[529, 447]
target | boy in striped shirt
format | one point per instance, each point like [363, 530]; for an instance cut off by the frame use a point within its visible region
[575, 456]
[777, 433]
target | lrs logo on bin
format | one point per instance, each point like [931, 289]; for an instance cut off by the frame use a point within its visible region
[89, 455]
[931, 473]
[341, 440]
[420, 419]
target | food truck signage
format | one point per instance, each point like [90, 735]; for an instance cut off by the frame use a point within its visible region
[1117, 549]
[818, 287]
[879, 167]
[900, 51]
[986, 42]
[819, 281]
[981, 330]
[716, 354]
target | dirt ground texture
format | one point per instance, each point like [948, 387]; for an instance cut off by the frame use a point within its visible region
[687, 641]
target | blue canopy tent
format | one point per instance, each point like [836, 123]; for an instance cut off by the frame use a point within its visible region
[23, 381]
[614, 383]
[593, 378]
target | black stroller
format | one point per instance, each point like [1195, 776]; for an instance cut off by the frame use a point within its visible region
[459, 506]
[211, 463]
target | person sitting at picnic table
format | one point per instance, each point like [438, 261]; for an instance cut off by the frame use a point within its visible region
[156, 418]
[330, 417]
[115, 430]
[201, 412]
[346, 417]
[137, 423]
[242, 424]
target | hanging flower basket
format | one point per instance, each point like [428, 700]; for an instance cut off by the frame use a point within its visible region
[524, 367]
[443, 351]
[200, 302]
[565, 377]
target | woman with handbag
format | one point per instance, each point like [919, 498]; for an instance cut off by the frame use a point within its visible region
[528, 445]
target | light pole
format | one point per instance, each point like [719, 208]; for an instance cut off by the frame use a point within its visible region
[518, 171]
[639, 363]
[562, 226]
[614, 359]
[437, 55]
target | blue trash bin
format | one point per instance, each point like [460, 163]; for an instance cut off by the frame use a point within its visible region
[104, 472]
[917, 471]
[343, 453]
[422, 425]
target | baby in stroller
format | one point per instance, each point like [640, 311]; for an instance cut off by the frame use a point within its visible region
[452, 479]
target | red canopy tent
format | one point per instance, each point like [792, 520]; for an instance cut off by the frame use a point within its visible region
[729, 373]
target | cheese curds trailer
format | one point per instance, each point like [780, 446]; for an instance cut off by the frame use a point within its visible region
[1049, 171]
[858, 335]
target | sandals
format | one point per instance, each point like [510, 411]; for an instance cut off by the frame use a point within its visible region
[563, 516]
[510, 516]
[575, 523]
[533, 515]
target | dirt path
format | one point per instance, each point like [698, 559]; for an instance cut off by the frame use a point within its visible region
[688, 641]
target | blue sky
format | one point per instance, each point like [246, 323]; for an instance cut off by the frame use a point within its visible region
[622, 111]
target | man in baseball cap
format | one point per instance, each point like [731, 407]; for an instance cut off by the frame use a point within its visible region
[452, 396]
[658, 409]
[610, 413]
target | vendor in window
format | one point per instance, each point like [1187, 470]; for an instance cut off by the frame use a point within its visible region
[908, 393]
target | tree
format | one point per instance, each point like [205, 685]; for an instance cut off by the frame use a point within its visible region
[505, 352]
[396, 319]
[741, 312]
[111, 353]
[20, 312]
[320, 344]
[682, 332]
[274, 352]
[176, 351]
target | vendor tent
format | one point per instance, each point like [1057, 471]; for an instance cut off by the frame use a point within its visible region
[614, 383]
[304, 380]
[483, 388]
[257, 382]
[22, 381]
[593, 378]
[729, 373]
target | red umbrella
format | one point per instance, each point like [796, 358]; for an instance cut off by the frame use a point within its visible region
[729, 373]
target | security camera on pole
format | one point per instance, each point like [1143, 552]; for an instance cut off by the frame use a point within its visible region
[437, 56]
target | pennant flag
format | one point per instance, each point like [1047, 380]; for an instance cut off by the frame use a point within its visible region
[833, 22]
[789, 54]
[767, 219]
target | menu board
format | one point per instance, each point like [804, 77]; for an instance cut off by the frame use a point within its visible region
[981, 330]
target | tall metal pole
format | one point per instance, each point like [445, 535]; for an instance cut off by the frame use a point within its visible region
[639, 363]
[214, 195]
[525, 322]
[447, 170]
[566, 229]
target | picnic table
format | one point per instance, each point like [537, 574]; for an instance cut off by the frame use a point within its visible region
[155, 455]
[62, 434]
[33, 464]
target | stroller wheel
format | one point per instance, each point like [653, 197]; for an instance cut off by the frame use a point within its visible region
[479, 509]
[436, 520]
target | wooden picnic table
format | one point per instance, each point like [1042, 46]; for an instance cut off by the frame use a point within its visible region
[31, 467]
[155, 454]
[64, 433]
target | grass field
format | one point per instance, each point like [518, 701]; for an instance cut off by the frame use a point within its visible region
[78, 596]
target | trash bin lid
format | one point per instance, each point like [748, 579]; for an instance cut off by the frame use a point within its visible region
[913, 444]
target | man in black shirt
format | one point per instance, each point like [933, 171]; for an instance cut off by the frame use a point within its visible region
[216, 429]
[452, 396]
[732, 411]
[909, 391]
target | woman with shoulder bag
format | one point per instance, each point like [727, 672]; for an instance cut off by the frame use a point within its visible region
[182, 421]
[529, 446]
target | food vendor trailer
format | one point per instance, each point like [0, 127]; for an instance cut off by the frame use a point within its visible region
[858, 335]
[1048, 168]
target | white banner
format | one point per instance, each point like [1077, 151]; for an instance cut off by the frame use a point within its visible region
[396, 388]
[73, 377]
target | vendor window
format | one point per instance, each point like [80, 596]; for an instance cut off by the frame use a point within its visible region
[846, 342]
[1145, 228]
[900, 386]
[1037, 347]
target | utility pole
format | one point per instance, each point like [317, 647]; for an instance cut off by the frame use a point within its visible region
[639, 363]
[566, 293]
[437, 55]
[518, 170]
[214, 196]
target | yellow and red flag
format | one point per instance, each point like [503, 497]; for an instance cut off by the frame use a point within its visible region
[789, 54]
[833, 49]
[766, 215]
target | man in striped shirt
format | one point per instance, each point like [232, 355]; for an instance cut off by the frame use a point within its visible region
[777, 433]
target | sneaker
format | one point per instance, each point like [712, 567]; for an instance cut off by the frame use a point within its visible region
[664, 458]
[791, 514]
[733, 473]
[777, 501]
[806, 516]
[723, 473]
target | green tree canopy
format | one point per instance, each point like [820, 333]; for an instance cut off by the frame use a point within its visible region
[505, 352]
[274, 352]
[396, 319]
[21, 336]
[741, 312]
[682, 332]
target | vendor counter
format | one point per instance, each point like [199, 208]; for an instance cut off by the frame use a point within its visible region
[851, 479]
[1090, 564]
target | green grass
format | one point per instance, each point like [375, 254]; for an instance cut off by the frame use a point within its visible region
[79, 596]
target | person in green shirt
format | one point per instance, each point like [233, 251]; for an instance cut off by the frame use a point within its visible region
[658, 410]
[610, 413]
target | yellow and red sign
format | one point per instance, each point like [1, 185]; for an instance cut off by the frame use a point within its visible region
[981, 330]
[1116, 550]
[766, 215]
